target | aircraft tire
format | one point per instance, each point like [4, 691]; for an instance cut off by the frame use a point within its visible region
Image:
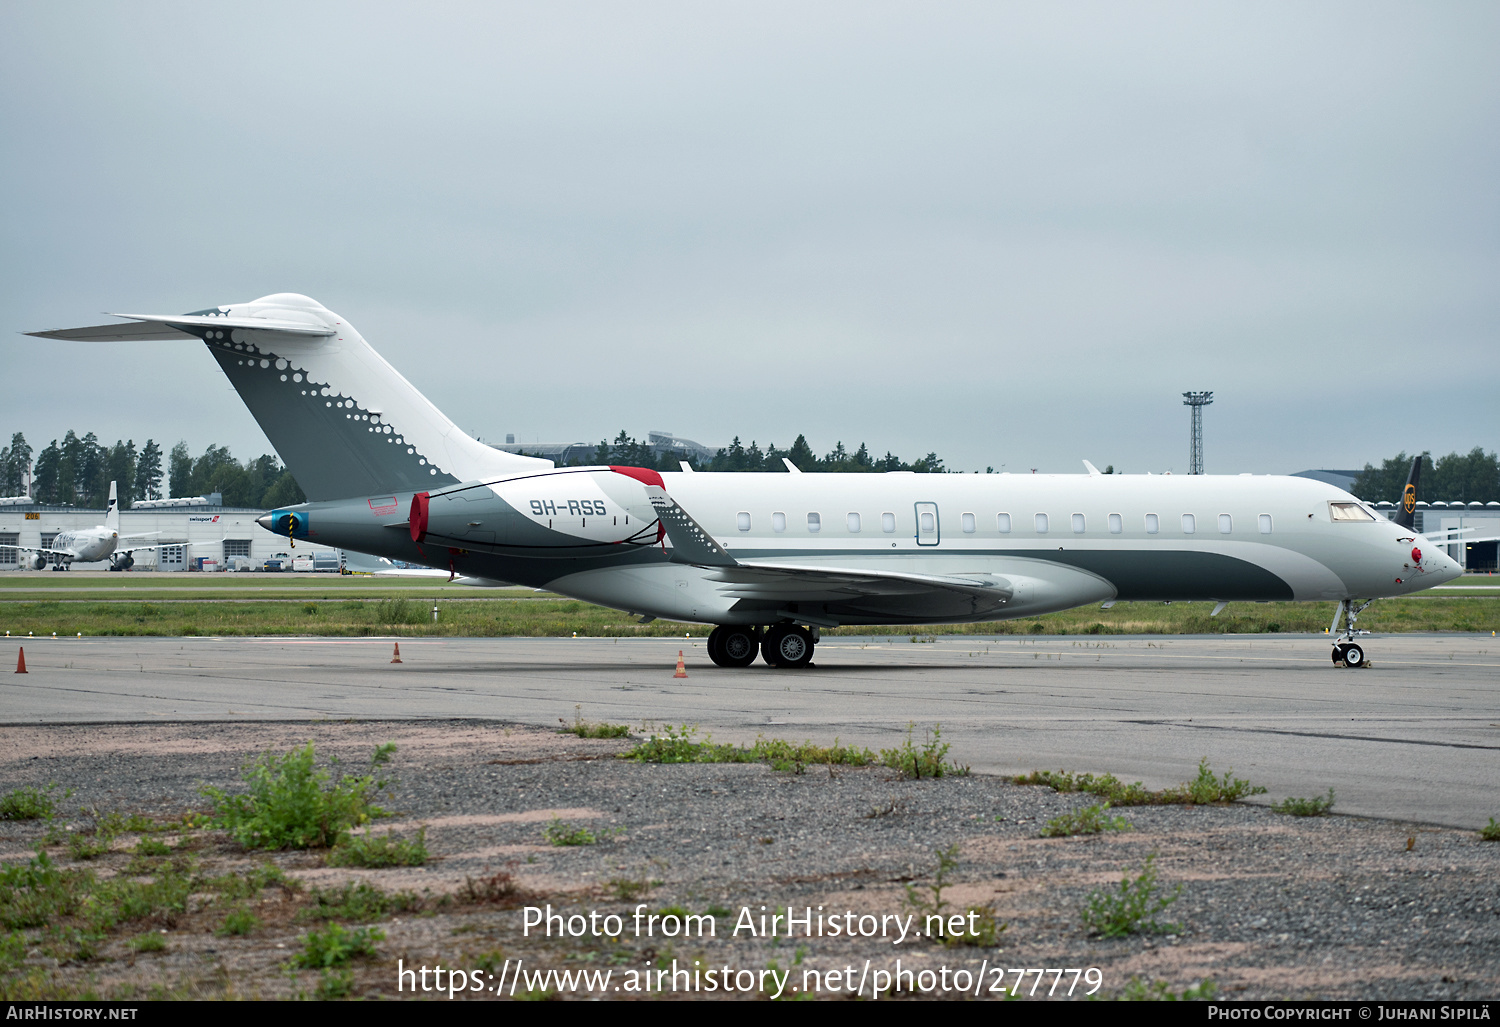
[787, 645]
[738, 646]
[1354, 656]
[716, 646]
[1338, 654]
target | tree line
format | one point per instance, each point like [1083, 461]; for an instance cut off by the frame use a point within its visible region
[1458, 477]
[77, 470]
[736, 456]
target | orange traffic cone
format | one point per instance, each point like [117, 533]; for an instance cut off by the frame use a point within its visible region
[21, 661]
[681, 670]
[396, 656]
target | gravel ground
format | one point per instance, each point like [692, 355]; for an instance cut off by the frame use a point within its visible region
[1270, 906]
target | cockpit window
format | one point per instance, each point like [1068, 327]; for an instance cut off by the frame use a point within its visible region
[1349, 512]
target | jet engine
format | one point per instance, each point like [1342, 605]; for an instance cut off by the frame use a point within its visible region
[34, 561]
[122, 562]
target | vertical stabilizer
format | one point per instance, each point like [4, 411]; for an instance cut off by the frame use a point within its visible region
[1406, 507]
[112, 515]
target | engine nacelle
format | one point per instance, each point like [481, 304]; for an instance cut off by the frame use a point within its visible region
[557, 514]
[33, 561]
[122, 562]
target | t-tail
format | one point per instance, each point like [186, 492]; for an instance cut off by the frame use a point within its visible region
[346, 423]
[1406, 508]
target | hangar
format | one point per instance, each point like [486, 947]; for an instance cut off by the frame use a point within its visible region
[196, 532]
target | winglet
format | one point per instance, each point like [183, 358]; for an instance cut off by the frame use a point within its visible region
[1094, 472]
[791, 466]
[690, 543]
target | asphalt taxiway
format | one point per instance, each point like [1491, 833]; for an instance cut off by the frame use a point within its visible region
[1414, 737]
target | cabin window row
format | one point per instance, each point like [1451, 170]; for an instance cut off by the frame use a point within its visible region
[1041, 523]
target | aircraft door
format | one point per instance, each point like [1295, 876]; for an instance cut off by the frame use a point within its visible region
[929, 531]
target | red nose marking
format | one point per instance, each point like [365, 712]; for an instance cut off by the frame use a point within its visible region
[1416, 556]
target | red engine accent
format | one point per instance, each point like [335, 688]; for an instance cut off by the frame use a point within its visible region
[1416, 556]
[418, 518]
[644, 475]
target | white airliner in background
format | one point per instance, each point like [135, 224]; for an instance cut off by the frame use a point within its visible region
[770, 558]
[88, 545]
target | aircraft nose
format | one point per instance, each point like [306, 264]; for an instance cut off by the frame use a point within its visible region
[1447, 568]
[264, 520]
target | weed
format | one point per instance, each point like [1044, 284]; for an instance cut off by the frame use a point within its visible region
[891, 807]
[294, 805]
[333, 984]
[1132, 907]
[88, 846]
[151, 847]
[500, 888]
[1205, 788]
[586, 729]
[250, 884]
[366, 850]
[239, 922]
[1091, 820]
[30, 803]
[149, 942]
[626, 889]
[1490, 832]
[335, 945]
[1317, 806]
[926, 761]
[681, 745]
[1137, 990]
[932, 903]
[357, 900]
[561, 833]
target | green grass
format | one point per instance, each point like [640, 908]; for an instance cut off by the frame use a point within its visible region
[927, 760]
[911, 759]
[294, 804]
[241, 608]
[1091, 820]
[933, 912]
[1317, 806]
[357, 900]
[1137, 990]
[335, 945]
[562, 833]
[1491, 831]
[30, 803]
[1132, 907]
[367, 850]
[238, 923]
[151, 941]
[1204, 789]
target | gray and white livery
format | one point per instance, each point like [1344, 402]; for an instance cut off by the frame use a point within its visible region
[770, 558]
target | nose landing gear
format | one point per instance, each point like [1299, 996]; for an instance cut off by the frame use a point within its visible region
[1346, 651]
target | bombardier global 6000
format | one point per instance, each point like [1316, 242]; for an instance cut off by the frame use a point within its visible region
[770, 559]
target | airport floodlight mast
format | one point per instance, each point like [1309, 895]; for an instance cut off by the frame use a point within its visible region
[1197, 400]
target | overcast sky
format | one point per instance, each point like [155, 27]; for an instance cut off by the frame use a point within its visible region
[1010, 233]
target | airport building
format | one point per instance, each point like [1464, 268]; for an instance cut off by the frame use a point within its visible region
[196, 533]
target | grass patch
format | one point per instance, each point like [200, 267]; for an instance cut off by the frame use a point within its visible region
[1091, 820]
[1491, 831]
[30, 803]
[1137, 990]
[1204, 789]
[682, 745]
[927, 760]
[1132, 907]
[366, 850]
[500, 888]
[356, 900]
[1317, 806]
[975, 925]
[238, 923]
[562, 833]
[335, 945]
[151, 941]
[293, 804]
[588, 729]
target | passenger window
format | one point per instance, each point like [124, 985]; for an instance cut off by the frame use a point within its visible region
[968, 520]
[1003, 520]
[1189, 524]
[1041, 524]
[1153, 524]
[1226, 523]
[929, 524]
[854, 523]
[887, 522]
[1265, 524]
[814, 522]
[778, 522]
[743, 520]
[1116, 524]
[1078, 524]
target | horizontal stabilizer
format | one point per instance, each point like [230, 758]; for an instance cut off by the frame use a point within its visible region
[164, 326]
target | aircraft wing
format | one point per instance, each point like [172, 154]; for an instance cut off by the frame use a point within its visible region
[767, 581]
[49, 552]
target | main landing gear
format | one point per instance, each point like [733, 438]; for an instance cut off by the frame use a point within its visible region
[1346, 651]
[782, 645]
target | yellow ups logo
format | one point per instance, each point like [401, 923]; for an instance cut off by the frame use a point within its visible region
[1409, 498]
